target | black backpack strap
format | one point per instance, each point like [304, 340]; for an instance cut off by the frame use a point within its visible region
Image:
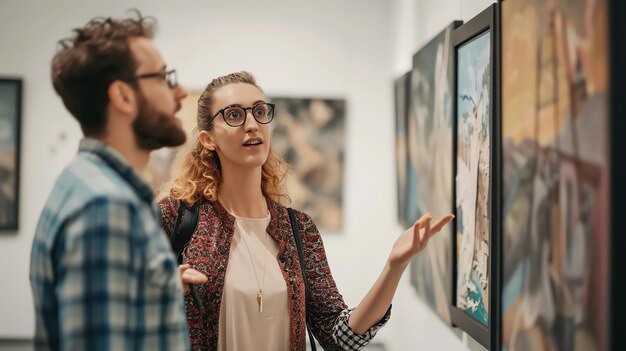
[186, 223]
[296, 236]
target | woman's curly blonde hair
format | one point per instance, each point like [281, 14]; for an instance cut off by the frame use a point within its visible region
[201, 172]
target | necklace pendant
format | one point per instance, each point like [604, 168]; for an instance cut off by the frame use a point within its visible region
[259, 300]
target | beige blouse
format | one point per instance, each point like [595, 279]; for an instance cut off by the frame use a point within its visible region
[242, 326]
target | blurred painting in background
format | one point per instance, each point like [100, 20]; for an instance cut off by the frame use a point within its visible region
[473, 176]
[430, 155]
[10, 110]
[402, 89]
[310, 134]
[555, 175]
[166, 162]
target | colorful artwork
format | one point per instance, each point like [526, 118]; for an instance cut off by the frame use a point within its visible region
[310, 134]
[401, 94]
[473, 176]
[430, 138]
[555, 175]
[10, 109]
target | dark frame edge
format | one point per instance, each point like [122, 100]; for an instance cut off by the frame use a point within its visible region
[617, 124]
[496, 288]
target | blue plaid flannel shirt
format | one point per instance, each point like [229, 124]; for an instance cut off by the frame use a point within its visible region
[102, 272]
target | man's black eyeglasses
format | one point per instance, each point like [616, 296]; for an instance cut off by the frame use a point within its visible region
[235, 115]
[169, 76]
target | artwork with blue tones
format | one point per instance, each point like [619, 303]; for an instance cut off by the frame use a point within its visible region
[473, 190]
[10, 110]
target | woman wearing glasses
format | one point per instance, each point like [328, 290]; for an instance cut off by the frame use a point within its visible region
[255, 297]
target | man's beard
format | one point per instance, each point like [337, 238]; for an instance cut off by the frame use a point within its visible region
[155, 129]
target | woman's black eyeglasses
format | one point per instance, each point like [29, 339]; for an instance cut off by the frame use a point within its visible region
[235, 115]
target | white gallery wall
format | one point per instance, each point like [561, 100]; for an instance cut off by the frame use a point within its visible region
[351, 49]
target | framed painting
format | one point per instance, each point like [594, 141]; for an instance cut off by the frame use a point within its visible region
[430, 155]
[310, 134]
[475, 194]
[401, 96]
[10, 122]
[556, 175]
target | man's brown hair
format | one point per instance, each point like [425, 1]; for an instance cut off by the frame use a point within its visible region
[85, 66]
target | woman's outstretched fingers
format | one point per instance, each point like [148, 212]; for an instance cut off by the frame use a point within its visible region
[427, 232]
[440, 223]
[416, 232]
[418, 236]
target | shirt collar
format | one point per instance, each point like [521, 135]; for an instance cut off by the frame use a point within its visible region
[118, 164]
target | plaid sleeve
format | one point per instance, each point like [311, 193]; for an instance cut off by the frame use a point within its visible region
[94, 255]
[348, 339]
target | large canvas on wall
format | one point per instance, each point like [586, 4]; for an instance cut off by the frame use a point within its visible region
[10, 116]
[430, 138]
[310, 134]
[401, 96]
[555, 175]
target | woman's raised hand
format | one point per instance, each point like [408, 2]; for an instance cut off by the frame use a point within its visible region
[414, 239]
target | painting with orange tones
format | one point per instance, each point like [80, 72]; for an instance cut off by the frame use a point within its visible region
[555, 153]
[310, 134]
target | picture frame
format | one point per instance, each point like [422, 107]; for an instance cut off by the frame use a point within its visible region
[10, 136]
[475, 306]
[401, 90]
[429, 167]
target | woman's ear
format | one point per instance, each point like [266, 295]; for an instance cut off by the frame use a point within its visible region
[122, 98]
[206, 140]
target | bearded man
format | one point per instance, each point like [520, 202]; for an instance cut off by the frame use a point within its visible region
[102, 271]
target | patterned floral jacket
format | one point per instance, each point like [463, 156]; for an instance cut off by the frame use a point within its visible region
[208, 252]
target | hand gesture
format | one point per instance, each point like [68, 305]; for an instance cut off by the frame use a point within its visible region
[190, 276]
[415, 239]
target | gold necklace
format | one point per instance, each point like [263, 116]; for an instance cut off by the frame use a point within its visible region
[259, 296]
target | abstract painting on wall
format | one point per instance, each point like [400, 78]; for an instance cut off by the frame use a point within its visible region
[310, 134]
[476, 141]
[430, 153]
[10, 119]
[401, 95]
[555, 175]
